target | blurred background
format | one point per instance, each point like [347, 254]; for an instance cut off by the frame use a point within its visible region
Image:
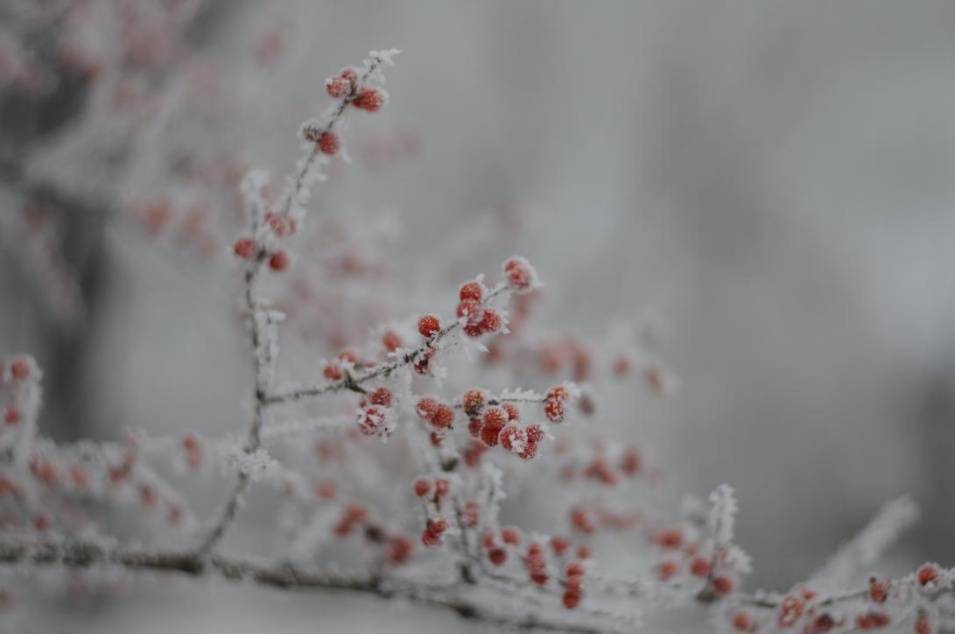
[774, 181]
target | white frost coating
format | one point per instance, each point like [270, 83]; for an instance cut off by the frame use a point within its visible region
[868, 545]
[722, 516]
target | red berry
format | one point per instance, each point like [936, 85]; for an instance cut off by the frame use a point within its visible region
[332, 371]
[571, 599]
[441, 488]
[400, 549]
[492, 321]
[494, 420]
[20, 368]
[350, 75]
[923, 624]
[472, 291]
[426, 407]
[630, 462]
[872, 620]
[391, 340]
[421, 487]
[443, 417]
[473, 402]
[723, 585]
[700, 567]
[11, 416]
[328, 143]
[670, 538]
[371, 421]
[369, 99]
[581, 520]
[513, 413]
[513, 438]
[510, 535]
[244, 248]
[927, 574]
[337, 87]
[279, 261]
[559, 545]
[381, 396]
[429, 326]
[667, 569]
[474, 427]
[743, 622]
[574, 569]
[497, 556]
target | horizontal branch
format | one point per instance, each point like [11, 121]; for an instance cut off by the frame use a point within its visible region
[85, 554]
[354, 383]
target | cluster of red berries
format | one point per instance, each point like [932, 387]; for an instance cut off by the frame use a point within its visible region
[439, 415]
[477, 319]
[435, 491]
[555, 403]
[499, 424]
[433, 530]
[373, 412]
[246, 249]
[873, 620]
[345, 86]
[552, 356]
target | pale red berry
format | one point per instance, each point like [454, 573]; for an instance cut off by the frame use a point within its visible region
[924, 624]
[328, 143]
[20, 369]
[667, 569]
[332, 371]
[350, 75]
[521, 276]
[279, 261]
[400, 549]
[441, 487]
[510, 535]
[11, 416]
[630, 462]
[244, 248]
[700, 566]
[582, 520]
[472, 291]
[369, 99]
[279, 224]
[743, 622]
[670, 538]
[559, 545]
[391, 340]
[428, 326]
[337, 87]
[873, 620]
[927, 574]
[422, 486]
